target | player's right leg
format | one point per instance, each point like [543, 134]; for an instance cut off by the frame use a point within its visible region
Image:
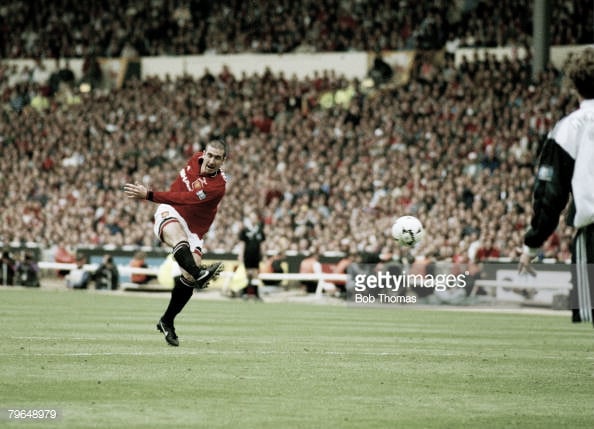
[187, 251]
[172, 230]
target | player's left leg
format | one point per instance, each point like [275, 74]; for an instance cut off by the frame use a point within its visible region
[182, 291]
[582, 294]
[180, 295]
[174, 235]
[589, 294]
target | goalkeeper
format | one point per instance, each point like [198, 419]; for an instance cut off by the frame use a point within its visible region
[564, 168]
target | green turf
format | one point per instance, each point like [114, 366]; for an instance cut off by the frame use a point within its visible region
[99, 361]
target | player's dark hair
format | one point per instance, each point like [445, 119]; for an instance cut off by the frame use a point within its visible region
[219, 143]
[580, 71]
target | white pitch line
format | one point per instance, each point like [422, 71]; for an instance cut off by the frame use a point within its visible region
[56, 338]
[179, 352]
[196, 353]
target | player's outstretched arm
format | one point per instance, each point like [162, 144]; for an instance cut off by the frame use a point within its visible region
[135, 191]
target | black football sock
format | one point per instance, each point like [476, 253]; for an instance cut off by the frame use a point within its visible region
[249, 289]
[180, 295]
[183, 255]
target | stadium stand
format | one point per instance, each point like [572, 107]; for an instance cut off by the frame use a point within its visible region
[455, 145]
[160, 27]
[456, 150]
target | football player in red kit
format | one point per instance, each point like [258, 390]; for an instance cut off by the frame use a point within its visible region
[184, 215]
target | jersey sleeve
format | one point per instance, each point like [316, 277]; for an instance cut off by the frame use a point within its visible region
[551, 192]
[183, 197]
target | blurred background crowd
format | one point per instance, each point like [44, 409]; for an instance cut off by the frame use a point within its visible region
[455, 147]
[70, 28]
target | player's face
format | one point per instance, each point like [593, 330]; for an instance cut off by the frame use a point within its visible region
[213, 160]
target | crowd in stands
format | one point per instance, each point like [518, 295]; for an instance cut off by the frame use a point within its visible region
[455, 147]
[457, 150]
[71, 28]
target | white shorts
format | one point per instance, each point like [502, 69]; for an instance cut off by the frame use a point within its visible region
[166, 214]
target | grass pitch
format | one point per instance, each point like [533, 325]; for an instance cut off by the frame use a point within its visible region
[98, 360]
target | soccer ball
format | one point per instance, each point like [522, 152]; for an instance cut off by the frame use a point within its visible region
[407, 230]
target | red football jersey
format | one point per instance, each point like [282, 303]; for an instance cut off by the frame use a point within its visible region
[196, 197]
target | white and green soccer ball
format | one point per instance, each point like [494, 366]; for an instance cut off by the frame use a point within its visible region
[408, 231]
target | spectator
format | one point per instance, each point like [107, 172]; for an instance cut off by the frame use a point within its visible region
[487, 251]
[310, 265]
[27, 271]
[380, 72]
[7, 269]
[274, 264]
[107, 275]
[341, 268]
[419, 269]
[138, 261]
[64, 255]
[79, 277]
